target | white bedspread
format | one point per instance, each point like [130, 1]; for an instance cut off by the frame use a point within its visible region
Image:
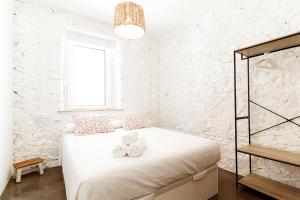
[92, 173]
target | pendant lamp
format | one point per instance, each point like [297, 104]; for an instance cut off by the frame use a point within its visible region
[129, 21]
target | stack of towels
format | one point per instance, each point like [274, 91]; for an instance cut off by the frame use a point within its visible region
[131, 146]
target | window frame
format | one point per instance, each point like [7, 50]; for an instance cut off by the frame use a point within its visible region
[109, 100]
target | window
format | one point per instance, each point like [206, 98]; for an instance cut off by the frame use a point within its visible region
[90, 73]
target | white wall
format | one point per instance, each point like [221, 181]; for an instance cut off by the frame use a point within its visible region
[196, 81]
[5, 91]
[37, 77]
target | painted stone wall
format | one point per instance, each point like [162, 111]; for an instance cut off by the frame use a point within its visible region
[38, 126]
[191, 90]
[196, 82]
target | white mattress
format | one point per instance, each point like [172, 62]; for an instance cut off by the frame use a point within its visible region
[91, 172]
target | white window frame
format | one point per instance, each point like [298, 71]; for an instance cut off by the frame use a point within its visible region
[110, 98]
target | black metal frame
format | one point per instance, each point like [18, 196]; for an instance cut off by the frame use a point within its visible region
[236, 118]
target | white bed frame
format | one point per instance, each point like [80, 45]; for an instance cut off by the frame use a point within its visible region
[200, 186]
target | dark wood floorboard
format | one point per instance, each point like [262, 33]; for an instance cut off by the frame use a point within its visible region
[50, 186]
[228, 191]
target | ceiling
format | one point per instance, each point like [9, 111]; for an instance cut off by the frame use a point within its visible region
[160, 15]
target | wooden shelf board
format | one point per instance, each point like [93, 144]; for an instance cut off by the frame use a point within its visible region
[277, 44]
[271, 188]
[271, 153]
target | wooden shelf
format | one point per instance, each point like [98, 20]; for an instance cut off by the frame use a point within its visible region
[273, 154]
[277, 44]
[271, 188]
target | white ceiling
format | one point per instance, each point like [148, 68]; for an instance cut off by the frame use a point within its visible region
[160, 15]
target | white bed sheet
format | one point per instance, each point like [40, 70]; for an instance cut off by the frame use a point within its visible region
[91, 172]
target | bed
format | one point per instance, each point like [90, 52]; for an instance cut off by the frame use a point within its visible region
[173, 166]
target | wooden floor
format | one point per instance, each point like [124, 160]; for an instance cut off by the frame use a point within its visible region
[37, 187]
[50, 186]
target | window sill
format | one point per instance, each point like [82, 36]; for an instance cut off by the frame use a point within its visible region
[89, 110]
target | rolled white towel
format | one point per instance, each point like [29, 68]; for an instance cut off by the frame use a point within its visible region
[120, 151]
[129, 138]
[136, 149]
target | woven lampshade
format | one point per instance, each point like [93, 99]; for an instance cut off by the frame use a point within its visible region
[129, 21]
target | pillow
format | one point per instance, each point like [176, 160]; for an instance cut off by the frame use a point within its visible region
[69, 128]
[135, 121]
[117, 123]
[90, 125]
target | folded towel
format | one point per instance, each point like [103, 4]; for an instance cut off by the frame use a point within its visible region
[120, 151]
[129, 138]
[136, 149]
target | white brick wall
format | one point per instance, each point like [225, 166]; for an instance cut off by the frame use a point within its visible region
[38, 126]
[196, 82]
[191, 90]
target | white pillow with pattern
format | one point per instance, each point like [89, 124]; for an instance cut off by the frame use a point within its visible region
[90, 125]
[135, 121]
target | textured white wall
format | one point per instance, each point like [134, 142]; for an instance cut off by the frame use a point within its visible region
[6, 43]
[196, 82]
[37, 77]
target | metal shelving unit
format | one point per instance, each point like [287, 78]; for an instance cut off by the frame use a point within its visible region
[269, 187]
